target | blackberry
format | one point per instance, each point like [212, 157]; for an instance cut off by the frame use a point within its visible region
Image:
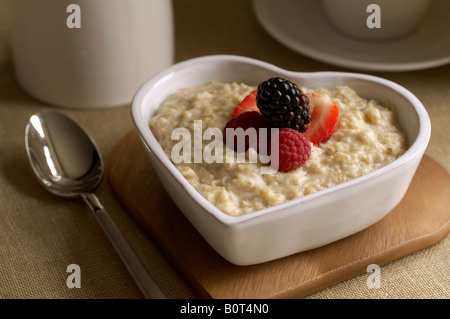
[283, 104]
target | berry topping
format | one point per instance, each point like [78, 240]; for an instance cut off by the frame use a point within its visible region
[245, 121]
[282, 104]
[279, 103]
[247, 104]
[293, 150]
[324, 117]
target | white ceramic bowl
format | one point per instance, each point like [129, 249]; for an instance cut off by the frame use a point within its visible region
[298, 225]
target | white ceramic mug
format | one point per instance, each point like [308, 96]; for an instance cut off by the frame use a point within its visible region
[396, 17]
[90, 53]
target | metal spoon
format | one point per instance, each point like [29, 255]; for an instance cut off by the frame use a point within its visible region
[67, 163]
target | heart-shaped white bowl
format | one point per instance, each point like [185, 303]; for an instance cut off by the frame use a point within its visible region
[301, 224]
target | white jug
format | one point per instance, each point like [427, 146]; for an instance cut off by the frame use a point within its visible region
[90, 53]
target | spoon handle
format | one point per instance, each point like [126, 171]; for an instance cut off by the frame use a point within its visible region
[128, 256]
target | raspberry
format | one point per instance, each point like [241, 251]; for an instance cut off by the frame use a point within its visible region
[283, 104]
[293, 150]
[246, 120]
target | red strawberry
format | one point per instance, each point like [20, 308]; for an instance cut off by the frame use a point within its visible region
[248, 104]
[293, 150]
[245, 120]
[324, 117]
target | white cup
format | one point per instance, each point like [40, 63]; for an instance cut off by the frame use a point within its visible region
[95, 55]
[396, 18]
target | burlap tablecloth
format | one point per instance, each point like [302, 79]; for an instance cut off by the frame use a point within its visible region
[40, 234]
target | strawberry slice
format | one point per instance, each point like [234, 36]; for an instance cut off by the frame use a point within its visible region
[247, 104]
[324, 117]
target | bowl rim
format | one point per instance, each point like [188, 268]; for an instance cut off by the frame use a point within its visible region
[416, 147]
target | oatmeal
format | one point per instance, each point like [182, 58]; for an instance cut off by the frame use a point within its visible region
[366, 138]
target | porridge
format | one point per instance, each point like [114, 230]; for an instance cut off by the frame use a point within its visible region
[366, 137]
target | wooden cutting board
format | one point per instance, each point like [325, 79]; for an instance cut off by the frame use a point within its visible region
[420, 220]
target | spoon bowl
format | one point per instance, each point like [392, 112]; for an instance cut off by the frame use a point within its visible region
[67, 163]
[63, 157]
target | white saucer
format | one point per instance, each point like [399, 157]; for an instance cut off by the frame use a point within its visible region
[302, 26]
